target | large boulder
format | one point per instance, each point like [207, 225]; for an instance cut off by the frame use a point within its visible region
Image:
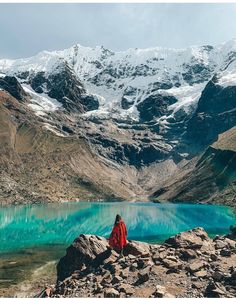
[137, 248]
[92, 251]
[192, 239]
[82, 252]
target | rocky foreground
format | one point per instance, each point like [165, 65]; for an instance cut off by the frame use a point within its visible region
[189, 264]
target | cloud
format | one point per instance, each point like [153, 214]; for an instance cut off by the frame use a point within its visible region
[26, 29]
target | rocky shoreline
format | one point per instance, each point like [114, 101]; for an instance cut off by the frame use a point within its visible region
[189, 264]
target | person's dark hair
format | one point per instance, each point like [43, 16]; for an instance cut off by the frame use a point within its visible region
[118, 218]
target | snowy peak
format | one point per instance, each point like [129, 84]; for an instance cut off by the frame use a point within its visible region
[121, 81]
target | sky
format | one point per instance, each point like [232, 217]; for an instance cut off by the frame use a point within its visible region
[26, 29]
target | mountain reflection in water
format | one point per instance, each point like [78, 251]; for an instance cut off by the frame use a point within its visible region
[34, 225]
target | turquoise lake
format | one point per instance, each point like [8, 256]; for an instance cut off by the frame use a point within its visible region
[55, 224]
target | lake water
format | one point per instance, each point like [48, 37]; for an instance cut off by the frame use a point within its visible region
[37, 225]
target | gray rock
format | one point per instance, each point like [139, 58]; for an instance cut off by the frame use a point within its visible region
[215, 290]
[225, 252]
[219, 244]
[213, 257]
[143, 275]
[217, 276]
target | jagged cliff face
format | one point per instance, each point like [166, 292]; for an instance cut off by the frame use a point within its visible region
[141, 112]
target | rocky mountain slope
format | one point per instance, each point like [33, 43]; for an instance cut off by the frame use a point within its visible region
[189, 264]
[93, 123]
[208, 178]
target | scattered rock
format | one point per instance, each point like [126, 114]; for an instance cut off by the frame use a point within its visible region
[111, 292]
[116, 279]
[215, 290]
[98, 270]
[196, 266]
[127, 289]
[125, 273]
[133, 267]
[219, 244]
[217, 276]
[225, 252]
[172, 264]
[187, 254]
[213, 257]
[143, 275]
[162, 293]
[201, 274]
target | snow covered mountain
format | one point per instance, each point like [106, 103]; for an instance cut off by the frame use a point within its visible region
[156, 95]
[121, 81]
[107, 124]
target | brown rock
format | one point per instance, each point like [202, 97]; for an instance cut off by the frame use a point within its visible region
[231, 243]
[133, 267]
[125, 273]
[192, 239]
[106, 274]
[131, 257]
[136, 248]
[127, 289]
[196, 266]
[116, 279]
[84, 250]
[48, 292]
[156, 256]
[172, 264]
[197, 285]
[219, 244]
[163, 255]
[98, 288]
[201, 274]
[168, 295]
[111, 292]
[160, 291]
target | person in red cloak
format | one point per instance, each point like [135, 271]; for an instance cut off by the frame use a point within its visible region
[117, 240]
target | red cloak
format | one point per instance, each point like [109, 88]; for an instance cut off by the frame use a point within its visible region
[118, 236]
